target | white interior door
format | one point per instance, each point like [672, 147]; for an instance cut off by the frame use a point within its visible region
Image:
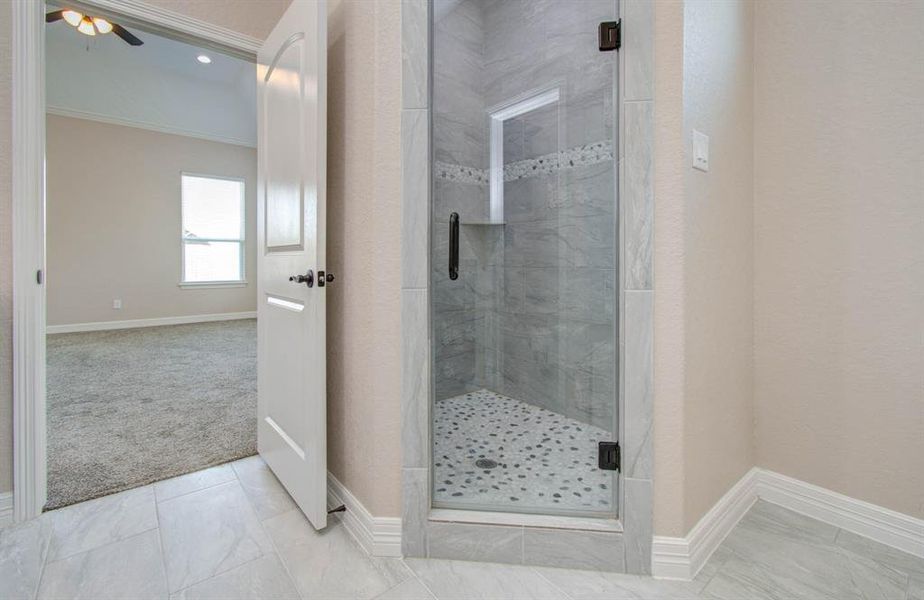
[291, 219]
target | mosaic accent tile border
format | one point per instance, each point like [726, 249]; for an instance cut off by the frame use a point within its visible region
[461, 174]
[547, 164]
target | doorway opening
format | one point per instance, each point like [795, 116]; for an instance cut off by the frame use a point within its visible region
[151, 238]
[525, 351]
[291, 133]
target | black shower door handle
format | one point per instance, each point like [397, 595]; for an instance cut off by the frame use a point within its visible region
[454, 246]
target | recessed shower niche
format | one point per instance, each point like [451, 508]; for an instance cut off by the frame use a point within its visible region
[523, 282]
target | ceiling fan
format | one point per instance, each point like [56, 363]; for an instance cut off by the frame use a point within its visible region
[92, 25]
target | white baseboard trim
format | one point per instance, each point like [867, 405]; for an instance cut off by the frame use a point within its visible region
[6, 509]
[683, 557]
[379, 536]
[879, 524]
[133, 323]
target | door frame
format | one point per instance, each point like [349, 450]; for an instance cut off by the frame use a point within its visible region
[28, 214]
[625, 542]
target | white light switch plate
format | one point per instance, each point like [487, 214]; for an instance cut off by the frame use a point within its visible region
[700, 151]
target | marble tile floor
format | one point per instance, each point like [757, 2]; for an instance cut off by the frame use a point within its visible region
[544, 461]
[232, 532]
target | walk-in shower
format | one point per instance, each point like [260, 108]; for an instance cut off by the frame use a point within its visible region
[524, 286]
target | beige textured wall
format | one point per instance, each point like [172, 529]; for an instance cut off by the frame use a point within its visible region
[364, 243]
[718, 244]
[703, 258]
[113, 222]
[839, 286]
[246, 16]
[669, 265]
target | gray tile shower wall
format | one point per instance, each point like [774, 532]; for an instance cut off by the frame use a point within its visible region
[532, 314]
[555, 315]
[458, 96]
[588, 114]
[636, 208]
[415, 295]
[458, 140]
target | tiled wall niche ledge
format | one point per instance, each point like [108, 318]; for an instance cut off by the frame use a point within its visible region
[448, 515]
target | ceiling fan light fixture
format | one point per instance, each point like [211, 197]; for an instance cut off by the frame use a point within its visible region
[72, 17]
[102, 25]
[90, 25]
[86, 27]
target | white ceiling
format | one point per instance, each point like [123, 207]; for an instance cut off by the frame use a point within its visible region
[159, 85]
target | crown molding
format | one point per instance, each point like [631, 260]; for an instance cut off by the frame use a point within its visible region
[176, 25]
[156, 127]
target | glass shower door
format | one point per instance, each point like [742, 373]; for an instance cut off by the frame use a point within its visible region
[524, 202]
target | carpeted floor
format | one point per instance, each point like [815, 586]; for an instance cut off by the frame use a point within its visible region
[132, 406]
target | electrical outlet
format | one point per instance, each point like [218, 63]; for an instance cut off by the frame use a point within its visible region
[700, 151]
[117, 303]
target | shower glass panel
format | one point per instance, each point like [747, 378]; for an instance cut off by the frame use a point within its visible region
[524, 324]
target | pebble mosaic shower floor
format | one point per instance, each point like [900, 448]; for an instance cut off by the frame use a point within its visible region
[545, 461]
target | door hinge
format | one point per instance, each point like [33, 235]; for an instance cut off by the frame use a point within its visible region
[610, 35]
[608, 456]
[39, 277]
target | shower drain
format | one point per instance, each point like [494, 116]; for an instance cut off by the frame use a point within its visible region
[485, 463]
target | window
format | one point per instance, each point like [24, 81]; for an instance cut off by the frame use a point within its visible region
[213, 229]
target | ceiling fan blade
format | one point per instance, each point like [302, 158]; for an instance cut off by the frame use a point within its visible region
[54, 16]
[125, 35]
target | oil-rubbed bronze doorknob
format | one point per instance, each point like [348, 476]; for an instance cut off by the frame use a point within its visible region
[307, 278]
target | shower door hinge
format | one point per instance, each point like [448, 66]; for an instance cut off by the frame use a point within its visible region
[610, 35]
[608, 456]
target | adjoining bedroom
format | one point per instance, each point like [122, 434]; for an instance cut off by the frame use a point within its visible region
[151, 259]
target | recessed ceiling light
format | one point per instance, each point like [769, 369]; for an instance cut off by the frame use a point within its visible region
[203, 59]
